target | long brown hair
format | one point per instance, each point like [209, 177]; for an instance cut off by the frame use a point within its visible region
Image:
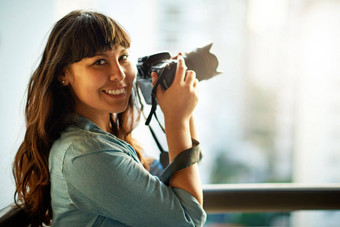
[78, 35]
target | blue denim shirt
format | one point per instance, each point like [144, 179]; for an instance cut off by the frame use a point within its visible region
[97, 180]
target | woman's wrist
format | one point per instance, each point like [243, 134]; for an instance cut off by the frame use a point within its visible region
[178, 137]
[174, 120]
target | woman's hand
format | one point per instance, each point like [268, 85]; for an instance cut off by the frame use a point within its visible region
[180, 99]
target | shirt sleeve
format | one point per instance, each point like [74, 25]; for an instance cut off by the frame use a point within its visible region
[109, 182]
[156, 168]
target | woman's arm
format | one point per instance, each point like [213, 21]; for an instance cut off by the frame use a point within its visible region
[178, 103]
[102, 179]
[188, 179]
[193, 131]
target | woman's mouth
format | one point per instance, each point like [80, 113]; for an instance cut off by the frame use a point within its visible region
[115, 91]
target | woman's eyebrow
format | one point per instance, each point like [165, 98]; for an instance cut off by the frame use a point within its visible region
[100, 54]
[124, 50]
[119, 51]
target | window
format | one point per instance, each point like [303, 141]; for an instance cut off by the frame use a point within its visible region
[271, 117]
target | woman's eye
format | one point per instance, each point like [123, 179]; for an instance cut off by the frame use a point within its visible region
[100, 62]
[124, 57]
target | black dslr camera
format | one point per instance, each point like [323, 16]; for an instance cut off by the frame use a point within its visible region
[199, 60]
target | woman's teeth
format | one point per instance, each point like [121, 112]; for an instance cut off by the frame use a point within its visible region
[115, 92]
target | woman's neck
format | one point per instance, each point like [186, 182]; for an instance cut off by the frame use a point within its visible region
[102, 120]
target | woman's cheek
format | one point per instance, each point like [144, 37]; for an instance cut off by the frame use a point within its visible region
[131, 74]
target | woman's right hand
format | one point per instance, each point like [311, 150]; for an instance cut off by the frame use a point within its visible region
[180, 99]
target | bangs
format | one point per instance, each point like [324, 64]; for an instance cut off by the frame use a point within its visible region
[95, 32]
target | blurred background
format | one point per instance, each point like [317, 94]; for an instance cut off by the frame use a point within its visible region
[272, 116]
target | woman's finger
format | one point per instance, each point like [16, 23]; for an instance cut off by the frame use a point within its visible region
[196, 82]
[175, 57]
[180, 71]
[190, 77]
[154, 78]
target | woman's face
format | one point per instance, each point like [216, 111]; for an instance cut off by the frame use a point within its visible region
[101, 84]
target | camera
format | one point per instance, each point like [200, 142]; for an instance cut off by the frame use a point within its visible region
[199, 60]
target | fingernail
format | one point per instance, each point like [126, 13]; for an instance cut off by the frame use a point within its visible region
[180, 58]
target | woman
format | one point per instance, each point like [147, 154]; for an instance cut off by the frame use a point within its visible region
[78, 164]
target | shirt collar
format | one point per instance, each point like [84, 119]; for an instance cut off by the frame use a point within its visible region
[87, 124]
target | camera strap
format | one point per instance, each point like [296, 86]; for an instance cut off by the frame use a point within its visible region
[183, 160]
[164, 155]
[153, 109]
[153, 100]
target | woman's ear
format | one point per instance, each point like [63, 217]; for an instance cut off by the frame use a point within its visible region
[62, 78]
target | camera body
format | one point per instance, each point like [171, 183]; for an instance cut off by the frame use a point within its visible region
[163, 65]
[200, 60]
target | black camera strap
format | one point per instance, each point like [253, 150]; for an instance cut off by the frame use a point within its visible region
[164, 155]
[153, 110]
[183, 160]
[154, 100]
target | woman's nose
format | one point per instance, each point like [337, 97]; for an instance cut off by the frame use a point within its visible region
[116, 73]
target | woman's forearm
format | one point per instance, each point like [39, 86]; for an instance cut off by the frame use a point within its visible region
[193, 131]
[179, 139]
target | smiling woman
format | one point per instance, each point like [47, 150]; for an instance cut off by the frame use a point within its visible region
[78, 164]
[100, 84]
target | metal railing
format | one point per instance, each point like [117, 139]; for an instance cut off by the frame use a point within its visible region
[222, 198]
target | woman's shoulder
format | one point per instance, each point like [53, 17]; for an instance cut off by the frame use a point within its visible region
[77, 141]
[83, 138]
[73, 141]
